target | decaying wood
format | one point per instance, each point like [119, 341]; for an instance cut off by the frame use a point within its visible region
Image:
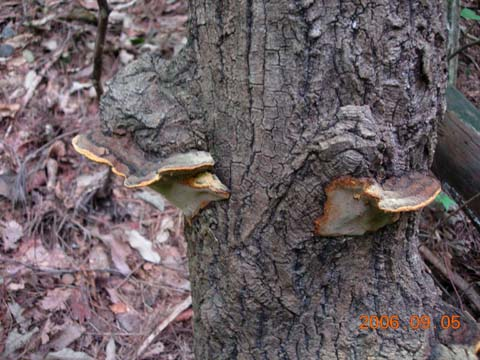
[457, 157]
[458, 104]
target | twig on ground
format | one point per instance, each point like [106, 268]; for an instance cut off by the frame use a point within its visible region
[472, 60]
[48, 144]
[461, 207]
[462, 48]
[184, 305]
[138, 267]
[456, 279]
[52, 271]
[103, 13]
[470, 36]
[125, 6]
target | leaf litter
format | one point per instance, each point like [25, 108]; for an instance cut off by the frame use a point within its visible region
[88, 267]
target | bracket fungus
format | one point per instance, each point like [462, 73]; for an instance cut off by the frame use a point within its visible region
[192, 194]
[183, 178]
[355, 206]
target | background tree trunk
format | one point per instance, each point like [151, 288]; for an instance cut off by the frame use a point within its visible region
[289, 95]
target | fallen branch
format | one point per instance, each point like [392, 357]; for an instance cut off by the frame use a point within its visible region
[457, 157]
[456, 279]
[103, 13]
[184, 305]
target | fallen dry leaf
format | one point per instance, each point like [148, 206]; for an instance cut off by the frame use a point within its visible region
[110, 350]
[113, 293]
[79, 306]
[36, 180]
[20, 41]
[56, 299]
[50, 44]
[154, 350]
[11, 233]
[170, 278]
[131, 321]
[16, 286]
[126, 57]
[68, 279]
[98, 258]
[142, 245]
[8, 110]
[16, 341]
[17, 312]
[31, 80]
[119, 251]
[7, 186]
[86, 184]
[68, 335]
[77, 86]
[119, 308]
[44, 20]
[47, 328]
[169, 254]
[68, 354]
[57, 150]
[33, 253]
[186, 315]
[52, 171]
[165, 228]
[89, 4]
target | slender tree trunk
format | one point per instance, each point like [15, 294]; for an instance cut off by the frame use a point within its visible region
[289, 95]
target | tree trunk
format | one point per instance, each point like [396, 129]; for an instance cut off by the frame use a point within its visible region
[287, 96]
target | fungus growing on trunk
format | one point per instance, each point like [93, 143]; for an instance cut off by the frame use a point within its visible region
[183, 178]
[355, 206]
[192, 194]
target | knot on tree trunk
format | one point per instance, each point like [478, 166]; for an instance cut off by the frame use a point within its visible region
[156, 101]
[352, 139]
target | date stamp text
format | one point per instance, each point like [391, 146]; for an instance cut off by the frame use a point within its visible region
[414, 322]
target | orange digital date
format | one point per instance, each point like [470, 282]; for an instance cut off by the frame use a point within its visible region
[415, 322]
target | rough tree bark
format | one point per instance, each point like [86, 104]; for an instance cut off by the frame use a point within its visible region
[287, 96]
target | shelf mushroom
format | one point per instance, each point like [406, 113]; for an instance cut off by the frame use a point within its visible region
[355, 206]
[183, 178]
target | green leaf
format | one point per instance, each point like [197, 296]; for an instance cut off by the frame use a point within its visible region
[445, 200]
[469, 14]
[137, 40]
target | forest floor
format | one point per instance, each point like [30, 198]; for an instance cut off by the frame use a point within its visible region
[77, 277]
